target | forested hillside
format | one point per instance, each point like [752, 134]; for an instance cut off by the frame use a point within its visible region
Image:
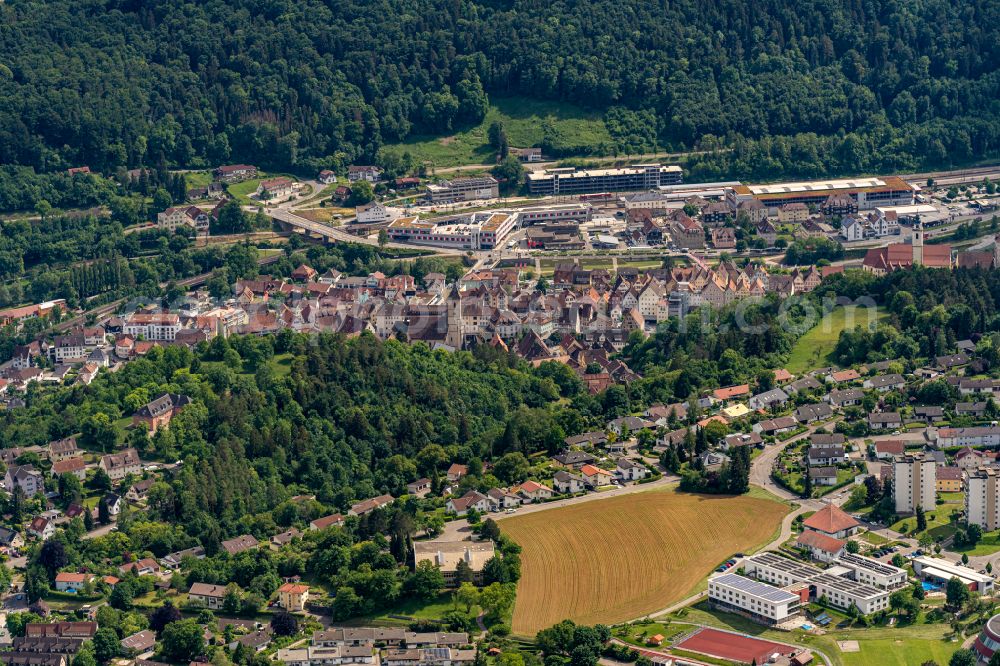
[300, 84]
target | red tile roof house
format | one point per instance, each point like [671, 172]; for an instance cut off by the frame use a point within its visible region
[71, 582]
[841, 376]
[333, 520]
[456, 472]
[595, 477]
[832, 521]
[730, 392]
[820, 546]
[143, 567]
[532, 491]
[888, 448]
[471, 500]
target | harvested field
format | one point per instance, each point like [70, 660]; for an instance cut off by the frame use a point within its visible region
[616, 559]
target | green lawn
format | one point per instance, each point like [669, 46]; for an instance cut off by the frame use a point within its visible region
[282, 364]
[639, 633]
[813, 348]
[938, 522]
[989, 544]
[198, 179]
[416, 608]
[904, 652]
[874, 539]
[523, 120]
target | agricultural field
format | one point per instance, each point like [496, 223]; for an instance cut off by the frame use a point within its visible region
[523, 119]
[619, 558]
[813, 348]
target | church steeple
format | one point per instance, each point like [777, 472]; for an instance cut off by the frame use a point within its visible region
[455, 336]
[918, 243]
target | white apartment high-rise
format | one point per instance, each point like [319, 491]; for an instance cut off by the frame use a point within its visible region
[913, 483]
[982, 498]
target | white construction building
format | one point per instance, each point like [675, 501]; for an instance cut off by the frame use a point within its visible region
[764, 603]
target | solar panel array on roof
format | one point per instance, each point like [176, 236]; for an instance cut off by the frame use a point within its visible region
[755, 588]
[871, 565]
[847, 586]
[791, 567]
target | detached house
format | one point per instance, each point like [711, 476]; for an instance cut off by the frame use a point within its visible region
[293, 596]
[62, 449]
[333, 520]
[159, 412]
[827, 455]
[209, 596]
[768, 399]
[532, 491]
[885, 382]
[594, 476]
[75, 466]
[470, 500]
[884, 421]
[573, 459]
[25, 477]
[567, 484]
[630, 470]
[42, 528]
[120, 465]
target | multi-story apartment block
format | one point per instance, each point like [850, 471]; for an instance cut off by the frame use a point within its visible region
[914, 483]
[158, 326]
[573, 181]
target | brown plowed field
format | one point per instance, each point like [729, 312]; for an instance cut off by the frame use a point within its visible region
[619, 558]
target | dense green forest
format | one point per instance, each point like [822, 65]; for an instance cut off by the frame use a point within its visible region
[809, 87]
[927, 311]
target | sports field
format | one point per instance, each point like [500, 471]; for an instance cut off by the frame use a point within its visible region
[616, 559]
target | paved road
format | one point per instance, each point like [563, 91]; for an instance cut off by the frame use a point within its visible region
[666, 480]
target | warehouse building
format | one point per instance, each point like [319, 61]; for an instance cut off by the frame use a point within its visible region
[568, 181]
[867, 193]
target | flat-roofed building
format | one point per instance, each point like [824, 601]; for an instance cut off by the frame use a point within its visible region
[464, 189]
[762, 602]
[478, 231]
[873, 572]
[581, 212]
[839, 590]
[447, 554]
[914, 483]
[842, 592]
[583, 181]
[778, 570]
[866, 193]
[942, 571]
[982, 498]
